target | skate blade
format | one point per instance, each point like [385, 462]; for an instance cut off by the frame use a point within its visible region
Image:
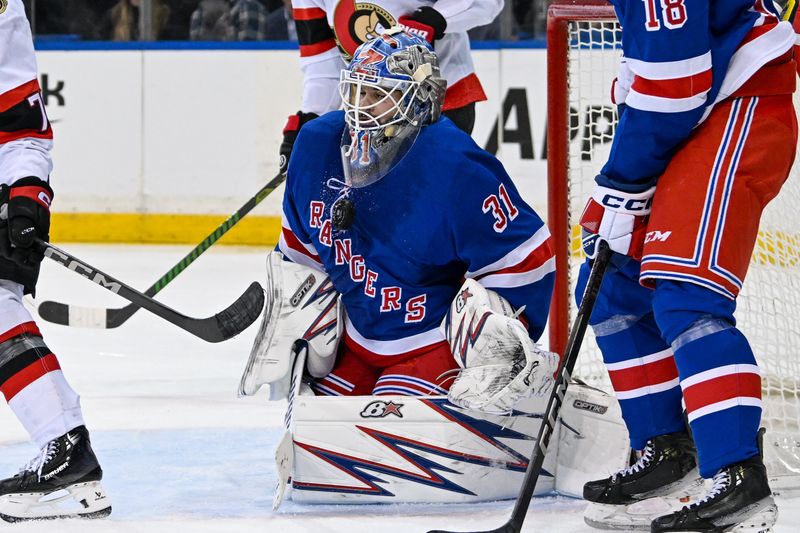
[614, 517]
[759, 520]
[637, 516]
[81, 500]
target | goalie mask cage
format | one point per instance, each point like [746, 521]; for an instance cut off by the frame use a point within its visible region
[584, 46]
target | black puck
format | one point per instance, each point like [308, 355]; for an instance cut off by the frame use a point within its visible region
[343, 214]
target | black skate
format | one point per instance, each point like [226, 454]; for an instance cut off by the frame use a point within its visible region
[739, 500]
[663, 480]
[63, 482]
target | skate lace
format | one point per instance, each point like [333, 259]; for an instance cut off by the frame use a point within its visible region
[37, 463]
[721, 481]
[644, 460]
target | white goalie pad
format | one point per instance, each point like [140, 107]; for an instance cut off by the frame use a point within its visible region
[500, 364]
[402, 449]
[592, 440]
[302, 304]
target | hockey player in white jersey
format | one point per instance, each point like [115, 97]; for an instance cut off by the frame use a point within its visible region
[329, 31]
[64, 479]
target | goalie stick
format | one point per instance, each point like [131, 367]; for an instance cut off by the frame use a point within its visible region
[514, 523]
[92, 317]
[222, 326]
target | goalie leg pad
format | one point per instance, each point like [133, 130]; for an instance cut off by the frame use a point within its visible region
[301, 304]
[500, 363]
[593, 440]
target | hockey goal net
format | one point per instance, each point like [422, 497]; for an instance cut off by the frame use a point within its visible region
[584, 45]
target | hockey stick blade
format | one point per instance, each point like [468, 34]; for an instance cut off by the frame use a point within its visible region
[514, 523]
[222, 326]
[506, 528]
[104, 318]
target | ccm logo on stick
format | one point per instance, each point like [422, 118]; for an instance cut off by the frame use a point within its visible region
[83, 270]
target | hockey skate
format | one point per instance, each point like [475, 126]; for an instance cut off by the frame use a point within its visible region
[739, 500]
[62, 482]
[663, 480]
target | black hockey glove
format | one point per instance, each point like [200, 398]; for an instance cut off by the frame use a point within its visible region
[425, 22]
[290, 131]
[24, 217]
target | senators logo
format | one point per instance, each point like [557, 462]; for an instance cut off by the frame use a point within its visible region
[354, 23]
[3, 6]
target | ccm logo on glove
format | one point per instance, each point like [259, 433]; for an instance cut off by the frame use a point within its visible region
[632, 205]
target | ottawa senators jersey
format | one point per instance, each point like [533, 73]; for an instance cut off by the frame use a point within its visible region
[329, 31]
[22, 112]
[446, 211]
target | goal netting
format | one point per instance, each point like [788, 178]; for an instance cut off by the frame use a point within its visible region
[584, 44]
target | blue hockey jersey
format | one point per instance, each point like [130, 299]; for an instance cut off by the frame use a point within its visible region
[446, 211]
[680, 58]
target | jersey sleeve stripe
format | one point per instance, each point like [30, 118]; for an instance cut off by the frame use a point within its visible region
[538, 257]
[516, 256]
[686, 87]
[308, 13]
[657, 104]
[509, 281]
[307, 50]
[668, 70]
[297, 251]
[14, 96]
[313, 32]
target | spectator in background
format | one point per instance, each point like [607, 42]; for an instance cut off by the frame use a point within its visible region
[248, 20]
[177, 26]
[122, 20]
[210, 21]
[75, 18]
[280, 23]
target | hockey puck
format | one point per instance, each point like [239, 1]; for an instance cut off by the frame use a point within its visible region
[343, 214]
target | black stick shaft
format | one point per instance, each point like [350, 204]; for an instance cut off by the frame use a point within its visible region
[514, 523]
[220, 327]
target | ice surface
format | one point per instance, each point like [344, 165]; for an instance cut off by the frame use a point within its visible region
[181, 453]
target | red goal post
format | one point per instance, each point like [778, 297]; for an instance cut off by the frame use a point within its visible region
[560, 14]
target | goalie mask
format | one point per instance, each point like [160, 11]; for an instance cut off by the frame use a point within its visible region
[390, 90]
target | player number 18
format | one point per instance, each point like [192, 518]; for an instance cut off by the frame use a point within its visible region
[673, 12]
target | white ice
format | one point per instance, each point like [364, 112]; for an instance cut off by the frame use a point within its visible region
[180, 452]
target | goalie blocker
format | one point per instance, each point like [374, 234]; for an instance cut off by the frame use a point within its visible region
[366, 449]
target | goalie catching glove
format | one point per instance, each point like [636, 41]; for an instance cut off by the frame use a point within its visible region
[500, 364]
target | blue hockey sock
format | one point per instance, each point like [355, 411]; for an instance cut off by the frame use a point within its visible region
[719, 376]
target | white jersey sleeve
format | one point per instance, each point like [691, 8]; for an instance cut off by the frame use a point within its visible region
[463, 15]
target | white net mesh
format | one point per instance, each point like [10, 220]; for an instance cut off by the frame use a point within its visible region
[769, 306]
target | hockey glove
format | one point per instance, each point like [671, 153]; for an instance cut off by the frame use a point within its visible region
[293, 125]
[425, 22]
[617, 217]
[24, 217]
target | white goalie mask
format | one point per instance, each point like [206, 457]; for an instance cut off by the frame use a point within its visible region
[391, 89]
